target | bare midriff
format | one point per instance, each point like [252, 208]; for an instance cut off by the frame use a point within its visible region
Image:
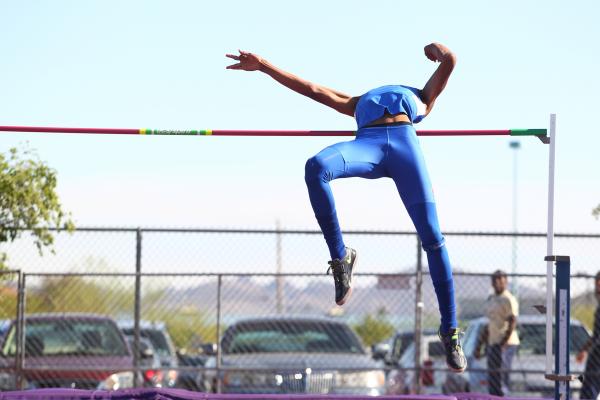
[390, 119]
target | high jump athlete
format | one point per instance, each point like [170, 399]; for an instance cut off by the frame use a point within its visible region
[386, 145]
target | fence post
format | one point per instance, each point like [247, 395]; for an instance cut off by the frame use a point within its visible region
[218, 373]
[20, 350]
[137, 305]
[418, 316]
[279, 279]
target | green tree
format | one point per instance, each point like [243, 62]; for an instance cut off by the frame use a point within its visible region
[86, 294]
[596, 211]
[28, 200]
[186, 324]
[585, 314]
[374, 329]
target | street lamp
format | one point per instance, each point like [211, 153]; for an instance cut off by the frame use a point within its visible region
[513, 285]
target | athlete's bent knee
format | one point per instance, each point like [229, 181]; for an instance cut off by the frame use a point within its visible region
[315, 169]
[311, 169]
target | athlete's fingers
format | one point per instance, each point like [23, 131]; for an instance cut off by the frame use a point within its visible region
[232, 56]
[234, 66]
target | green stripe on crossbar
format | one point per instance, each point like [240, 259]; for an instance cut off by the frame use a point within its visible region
[172, 132]
[528, 132]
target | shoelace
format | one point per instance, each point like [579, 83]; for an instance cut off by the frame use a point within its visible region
[337, 269]
[457, 346]
[455, 340]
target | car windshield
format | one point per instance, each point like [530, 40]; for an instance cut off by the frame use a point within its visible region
[65, 337]
[290, 336]
[401, 343]
[156, 337]
[470, 338]
[533, 338]
[4, 325]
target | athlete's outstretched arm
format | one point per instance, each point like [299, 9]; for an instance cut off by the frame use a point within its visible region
[436, 84]
[338, 101]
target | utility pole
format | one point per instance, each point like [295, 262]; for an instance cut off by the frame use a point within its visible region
[513, 282]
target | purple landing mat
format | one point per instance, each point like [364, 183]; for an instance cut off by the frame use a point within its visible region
[178, 394]
[324, 396]
[483, 396]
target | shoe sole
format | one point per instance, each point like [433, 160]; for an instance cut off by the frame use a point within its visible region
[347, 296]
[458, 371]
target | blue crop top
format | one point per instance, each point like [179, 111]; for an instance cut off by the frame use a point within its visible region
[396, 99]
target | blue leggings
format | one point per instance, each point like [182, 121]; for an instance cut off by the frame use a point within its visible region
[393, 152]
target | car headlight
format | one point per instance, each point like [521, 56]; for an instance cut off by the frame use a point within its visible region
[171, 377]
[245, 379]
[370, 379]
[119, 380]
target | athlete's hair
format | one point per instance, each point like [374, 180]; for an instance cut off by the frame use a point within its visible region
[500, 274]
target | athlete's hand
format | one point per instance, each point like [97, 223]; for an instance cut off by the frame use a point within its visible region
[581, 356]
[437, 52]
[247, 61]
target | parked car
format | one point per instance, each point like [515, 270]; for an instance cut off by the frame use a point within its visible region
[294, 355]
[529, 363]
[7, 378]
[432, 372]
[4, 325]
[151, 374]
[400, 342]
[83, 351]
[191, 378]
[157, 334]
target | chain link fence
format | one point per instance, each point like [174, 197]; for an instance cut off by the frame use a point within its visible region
[146, 307]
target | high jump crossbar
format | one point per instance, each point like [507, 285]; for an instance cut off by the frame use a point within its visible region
[540, 133]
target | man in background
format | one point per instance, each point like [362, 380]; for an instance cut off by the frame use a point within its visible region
[591, 350]
[500, 335]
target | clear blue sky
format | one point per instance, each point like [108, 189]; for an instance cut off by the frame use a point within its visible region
[161, 64]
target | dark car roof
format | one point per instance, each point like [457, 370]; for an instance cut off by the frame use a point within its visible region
[67, 315]
[524, 319]
[288, 319]
[7, 324]
[412, 332]
[144, 324]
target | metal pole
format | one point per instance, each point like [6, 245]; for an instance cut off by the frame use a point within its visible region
[418, 316]
[137, 304]
[279, 279]
[514, 281]
[20, 322]
[218, 372]
[550, 243]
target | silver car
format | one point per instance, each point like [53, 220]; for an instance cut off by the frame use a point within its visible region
[293, 355]
[432, 371]
[529, 363]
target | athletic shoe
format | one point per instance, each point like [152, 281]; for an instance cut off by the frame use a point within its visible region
[342, 275]
[455, 358]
